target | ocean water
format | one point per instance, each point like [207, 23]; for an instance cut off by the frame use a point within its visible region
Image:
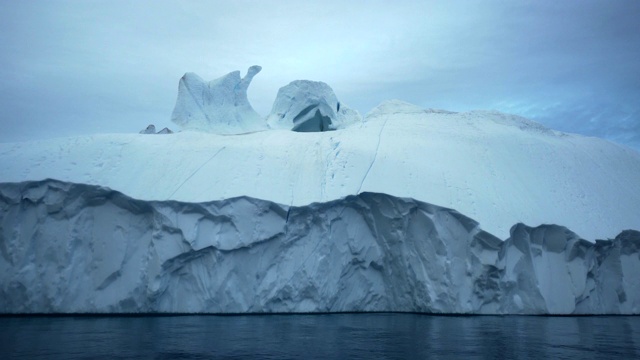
[331, 336]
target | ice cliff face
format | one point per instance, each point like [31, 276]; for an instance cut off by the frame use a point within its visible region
[310, 106]
[220, 106]
[568, 274]
[77, 248]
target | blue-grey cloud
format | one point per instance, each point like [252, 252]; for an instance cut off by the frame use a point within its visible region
[75, 67]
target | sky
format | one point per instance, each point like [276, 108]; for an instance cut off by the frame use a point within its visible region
[84, 67]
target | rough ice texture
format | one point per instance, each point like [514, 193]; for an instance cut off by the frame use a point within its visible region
[219, 106]
[310, 106]
[165, 131]
[71, 248]
[151, 129]
[496, 168]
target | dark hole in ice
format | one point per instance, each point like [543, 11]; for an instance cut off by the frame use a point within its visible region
[317, 123]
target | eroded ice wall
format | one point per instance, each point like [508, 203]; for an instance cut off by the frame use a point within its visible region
[68, 248]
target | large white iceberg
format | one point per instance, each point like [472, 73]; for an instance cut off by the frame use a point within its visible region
[345, 221]
[70, 248]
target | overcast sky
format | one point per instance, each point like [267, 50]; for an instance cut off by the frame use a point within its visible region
[81, 67]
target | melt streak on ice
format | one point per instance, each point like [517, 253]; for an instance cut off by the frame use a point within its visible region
[75, 248]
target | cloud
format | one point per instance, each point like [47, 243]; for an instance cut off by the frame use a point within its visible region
[81, 67]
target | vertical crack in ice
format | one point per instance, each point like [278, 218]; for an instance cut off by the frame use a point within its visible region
[327, 162]
[286, 221]
[375, 156]
[196, 171]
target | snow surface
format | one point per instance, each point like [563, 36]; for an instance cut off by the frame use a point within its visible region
[310, 106]
[74, 248]
[220, 106]
[498, 169]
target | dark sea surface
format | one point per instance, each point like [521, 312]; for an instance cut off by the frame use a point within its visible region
[332, 336]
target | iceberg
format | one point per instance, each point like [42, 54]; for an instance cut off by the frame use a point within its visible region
[76, 248]
[219, 106]
[354, 215]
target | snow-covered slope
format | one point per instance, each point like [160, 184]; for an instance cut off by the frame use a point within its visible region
[495, 168]
[78, 248]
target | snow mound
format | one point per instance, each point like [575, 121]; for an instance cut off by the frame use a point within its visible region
[72, 248]
[512, 120]
[219, 106]
[310, 106]
[399, 107]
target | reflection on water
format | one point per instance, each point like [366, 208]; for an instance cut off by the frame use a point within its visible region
[362, 336]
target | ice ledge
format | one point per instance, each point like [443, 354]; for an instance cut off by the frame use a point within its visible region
[73, 248]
